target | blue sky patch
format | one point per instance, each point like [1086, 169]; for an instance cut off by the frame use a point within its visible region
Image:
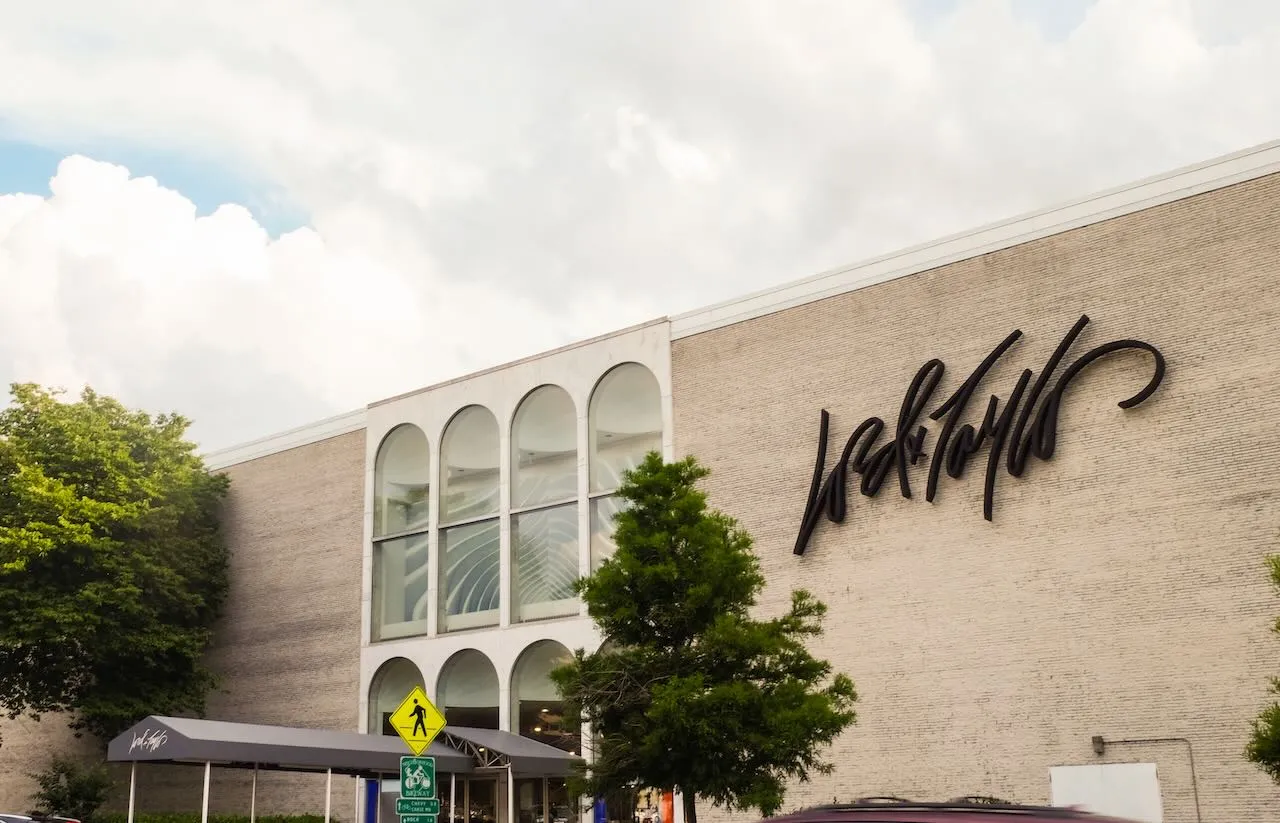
[27, 167]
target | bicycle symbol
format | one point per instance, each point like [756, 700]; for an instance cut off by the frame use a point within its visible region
[417, 778]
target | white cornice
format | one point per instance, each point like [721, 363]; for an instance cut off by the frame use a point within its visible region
[291, 439]
[1143, 194]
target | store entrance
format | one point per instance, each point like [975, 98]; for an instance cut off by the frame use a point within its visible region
[476, 799]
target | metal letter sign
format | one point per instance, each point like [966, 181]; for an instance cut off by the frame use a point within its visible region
[417, 721]
[1027, 426]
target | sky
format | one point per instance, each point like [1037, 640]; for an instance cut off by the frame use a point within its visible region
[260, 213]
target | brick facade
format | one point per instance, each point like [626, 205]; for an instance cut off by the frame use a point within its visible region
[1120, 590]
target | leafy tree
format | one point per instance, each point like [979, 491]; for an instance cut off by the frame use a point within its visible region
[690, 692]
[1264, 744]
[112, 566]
[71, 789]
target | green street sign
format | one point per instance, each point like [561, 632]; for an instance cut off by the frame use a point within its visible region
[418, 818]
[412, 806]
[418, 778]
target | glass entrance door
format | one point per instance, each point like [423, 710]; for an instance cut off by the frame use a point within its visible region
[476, 798]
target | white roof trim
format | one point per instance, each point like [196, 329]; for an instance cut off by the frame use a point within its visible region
[291, 439]
[1153, 191]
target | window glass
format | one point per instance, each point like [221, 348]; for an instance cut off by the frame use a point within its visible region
[544, 449]
[625, 423]
[402, 482]
[603, 510]
[469, 576]
[393, 680]
[468, 691]
[469, 466]
[537, 710]
[400, 569]
[544, 549]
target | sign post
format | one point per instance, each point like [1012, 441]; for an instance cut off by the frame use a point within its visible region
[417, 721]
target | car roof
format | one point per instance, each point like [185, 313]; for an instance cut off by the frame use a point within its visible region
[962, 810]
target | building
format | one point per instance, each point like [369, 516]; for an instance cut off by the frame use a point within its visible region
[1106, 625]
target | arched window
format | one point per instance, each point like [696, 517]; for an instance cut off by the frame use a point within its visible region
[401, 515]
[469, 538]
[467, 691]
[624, 424]
[544, 505]
[388, 689]
[536, 709]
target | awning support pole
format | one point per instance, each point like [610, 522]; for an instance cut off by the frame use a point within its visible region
[204, 804]
[133, 785]
[328, 793]
[453, 786]
[253, 796]
[511, 794]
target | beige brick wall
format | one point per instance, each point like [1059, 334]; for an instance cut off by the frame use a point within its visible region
[1120, 589]
[288, 648]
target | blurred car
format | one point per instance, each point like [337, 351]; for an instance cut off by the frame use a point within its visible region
[960, 810]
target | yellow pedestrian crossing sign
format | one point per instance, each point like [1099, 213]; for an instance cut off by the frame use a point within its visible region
[417, 721]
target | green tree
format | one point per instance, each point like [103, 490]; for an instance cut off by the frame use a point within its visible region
[71, 789]
[112, 566]
[690, 692]
[1264, 744]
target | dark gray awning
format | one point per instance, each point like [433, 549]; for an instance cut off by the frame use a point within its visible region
[245, 745]
[494, 749]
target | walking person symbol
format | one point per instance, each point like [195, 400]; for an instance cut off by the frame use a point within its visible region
[419, 718]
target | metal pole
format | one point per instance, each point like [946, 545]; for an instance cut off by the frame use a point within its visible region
[133, 784]
[511, 795]
[204, 805]
[328, 793]
[253, 795]
[453, 785]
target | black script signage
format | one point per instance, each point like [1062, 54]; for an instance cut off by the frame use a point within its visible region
[1027, 424]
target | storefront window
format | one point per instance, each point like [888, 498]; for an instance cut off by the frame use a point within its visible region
[537, 711]
[470, 575]
[469, 537]
[544, 502]
[400, 569]
[393, 680]
[543, 800]
[603, 510]
[624, 424]
[401, 519]
[468, 691]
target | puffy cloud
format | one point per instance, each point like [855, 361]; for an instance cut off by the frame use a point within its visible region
[485, 181]
[115, 281]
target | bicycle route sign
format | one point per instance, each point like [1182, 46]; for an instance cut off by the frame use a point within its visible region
[417, 802]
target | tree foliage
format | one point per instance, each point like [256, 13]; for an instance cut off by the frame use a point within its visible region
[690, 692]
[112, 566]
[1263, 748]
[71, 789]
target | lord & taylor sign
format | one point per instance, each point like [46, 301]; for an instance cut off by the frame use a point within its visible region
[1027, 424]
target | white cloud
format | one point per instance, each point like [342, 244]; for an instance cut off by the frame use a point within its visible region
[116, 282]
[486, 180]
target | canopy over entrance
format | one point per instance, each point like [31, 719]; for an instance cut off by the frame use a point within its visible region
[458, 749]
[210, 743]
[249, 745]
[494, 749]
